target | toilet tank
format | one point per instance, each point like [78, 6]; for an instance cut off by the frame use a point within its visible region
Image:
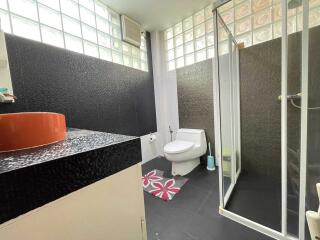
[193, 135]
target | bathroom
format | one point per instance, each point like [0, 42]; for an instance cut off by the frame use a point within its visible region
[96, 94]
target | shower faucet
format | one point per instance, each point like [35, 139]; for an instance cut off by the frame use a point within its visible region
[291, 97]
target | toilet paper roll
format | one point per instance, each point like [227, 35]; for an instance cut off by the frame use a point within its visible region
[152, 138]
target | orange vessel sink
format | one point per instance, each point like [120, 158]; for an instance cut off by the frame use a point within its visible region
[30, 129]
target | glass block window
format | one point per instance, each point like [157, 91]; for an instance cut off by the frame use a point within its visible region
[250, 21]
[189, 41]
[84, 26]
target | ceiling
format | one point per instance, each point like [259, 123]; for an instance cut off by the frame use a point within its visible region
[156, 15]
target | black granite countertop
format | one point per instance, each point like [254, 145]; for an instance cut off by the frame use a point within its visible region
[77, 141]
[32, 178]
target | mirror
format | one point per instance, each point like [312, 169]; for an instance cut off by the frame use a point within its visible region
[6, 89]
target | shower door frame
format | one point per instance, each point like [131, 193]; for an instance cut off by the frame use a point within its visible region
[283, 235]
[235, 119]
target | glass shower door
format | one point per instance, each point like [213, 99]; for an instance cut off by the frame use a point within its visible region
[227, 84]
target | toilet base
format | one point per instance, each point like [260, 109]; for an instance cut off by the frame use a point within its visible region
[185, 167]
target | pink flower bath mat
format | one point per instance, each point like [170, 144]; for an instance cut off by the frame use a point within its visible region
[159, 186]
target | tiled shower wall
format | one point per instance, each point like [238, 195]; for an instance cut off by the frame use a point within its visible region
[260, 86]
[260, 113]
[260, 83]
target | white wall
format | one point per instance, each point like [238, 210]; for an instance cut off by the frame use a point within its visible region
[166, 100]
[149, 150]
[165, 85]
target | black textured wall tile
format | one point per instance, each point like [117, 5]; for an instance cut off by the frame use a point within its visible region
[260, 86]
[92, 93]
[260, 72]
[195, 97]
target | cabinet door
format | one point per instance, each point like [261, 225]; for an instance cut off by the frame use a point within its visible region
[112, 208]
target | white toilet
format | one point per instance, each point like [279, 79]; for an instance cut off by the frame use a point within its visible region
[186, 150]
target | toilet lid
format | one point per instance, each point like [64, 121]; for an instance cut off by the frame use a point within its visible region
[178, 146]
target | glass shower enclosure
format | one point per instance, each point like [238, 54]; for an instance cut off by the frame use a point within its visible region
[295, 143]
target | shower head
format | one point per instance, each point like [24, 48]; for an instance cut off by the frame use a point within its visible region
[294, 4]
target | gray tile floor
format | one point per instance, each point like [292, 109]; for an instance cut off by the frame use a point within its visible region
[193, 213]
[259, 199]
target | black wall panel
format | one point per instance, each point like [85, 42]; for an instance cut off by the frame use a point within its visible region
[93, 94]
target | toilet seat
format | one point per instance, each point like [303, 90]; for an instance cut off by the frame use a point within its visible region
[178, 146]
